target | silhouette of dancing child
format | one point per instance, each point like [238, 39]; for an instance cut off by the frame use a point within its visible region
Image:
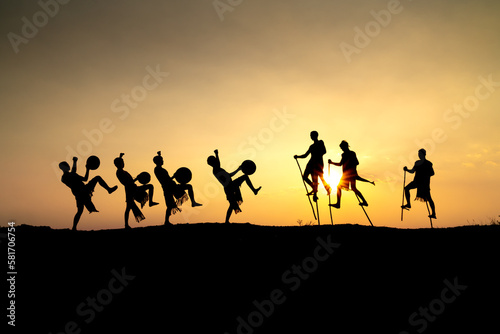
[175, 194]
[83, 192]
[315, 166]
[133, 192]
[231, 187]
[349, 163]
[423, 171]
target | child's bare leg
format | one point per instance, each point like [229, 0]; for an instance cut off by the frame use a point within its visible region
[308, 181]
[250, 185]
[339, 195]
[358, 193]
[314, 178]
[78, 214]
[150, 189]
[359, 178]
[407, 195]
[228, 214]
[190, 191]
[325, 184]
[127, 213]
[433, 208]
[92, 183]
[168, 213]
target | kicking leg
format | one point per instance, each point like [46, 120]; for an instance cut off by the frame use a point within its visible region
[249, 183]
[190, 191]
[150, 189]
[92, 183]
[359, 178]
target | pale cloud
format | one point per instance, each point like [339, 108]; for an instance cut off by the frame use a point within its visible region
[491, 163]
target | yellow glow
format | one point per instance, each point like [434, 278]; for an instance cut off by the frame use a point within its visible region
[334, 177]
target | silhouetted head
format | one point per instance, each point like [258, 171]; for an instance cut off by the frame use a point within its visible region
[64, 166]
[344, 145]
[422, 153]
[119, 163]
[314, 135]
[212, 161]
[158, 160]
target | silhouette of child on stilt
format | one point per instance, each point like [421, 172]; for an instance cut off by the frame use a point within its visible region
[81, 191]
[231, 187]
[133, 192]
[423, 171]
[175, 194]
[349, 163]
[315, 166]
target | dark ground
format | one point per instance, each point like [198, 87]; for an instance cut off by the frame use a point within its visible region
[242, 278]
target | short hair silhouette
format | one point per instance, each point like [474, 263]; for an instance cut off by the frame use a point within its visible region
[82, 192]
[64, 166]
[232, 187]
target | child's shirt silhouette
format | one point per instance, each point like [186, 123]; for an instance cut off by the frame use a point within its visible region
[349, 163]
[75, 183]
[317, 150]
[423, 172]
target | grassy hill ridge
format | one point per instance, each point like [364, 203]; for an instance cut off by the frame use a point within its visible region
[243, 278]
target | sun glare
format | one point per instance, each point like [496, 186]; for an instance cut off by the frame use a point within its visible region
[334, 177]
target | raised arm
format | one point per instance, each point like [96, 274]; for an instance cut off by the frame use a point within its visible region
[73, 169]
[86, 177]
[217, 155]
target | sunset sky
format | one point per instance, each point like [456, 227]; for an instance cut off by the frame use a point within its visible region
[251, 78]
